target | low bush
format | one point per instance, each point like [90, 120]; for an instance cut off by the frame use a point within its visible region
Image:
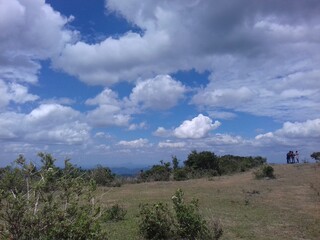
[48, 203]
[158, 221]
[115, 213]
[180, 174]
[265, 171]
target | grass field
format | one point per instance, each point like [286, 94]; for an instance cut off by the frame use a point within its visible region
[287, 207]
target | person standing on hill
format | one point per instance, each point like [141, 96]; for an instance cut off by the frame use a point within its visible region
[288, 157]
[297, 156]
[292, 156]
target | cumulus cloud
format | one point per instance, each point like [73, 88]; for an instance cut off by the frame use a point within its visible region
[49, 123]
[170, 144]
[260, 55]
[229, 98]
[106, 97]
[135, 126]
[30, 30]
[138, 143]
[109, 110]
[198, 127]
[14, 92]
[176, 36]
[161, 92]
[107, 115]
[222, 114]
[162, 132]
[226, 139]
[294, 130]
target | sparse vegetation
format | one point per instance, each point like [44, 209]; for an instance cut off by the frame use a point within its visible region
[199, 165]
[115, 213]
[265, 171]
[159, 222]
[316, 156]
[47, 203]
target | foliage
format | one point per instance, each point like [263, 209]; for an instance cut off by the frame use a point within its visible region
[190, 224]
[115, 213]
[265, 171]
[231, 164]
[48, 203]
[202, 161]
[103, 176]
[180, 174]
[175, 163]
[156, 221]
[157, 173]
[315, 156]
[159, 222]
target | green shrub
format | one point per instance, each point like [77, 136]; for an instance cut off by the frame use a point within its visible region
[180, 174]
[48, 203]
[157, 173]
[115, 213]
[265, 171]
[190, 224]
[184, 222]
[103, 176]
[156, 221]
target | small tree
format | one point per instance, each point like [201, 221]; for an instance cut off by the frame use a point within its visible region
[265, 171]
[157, 172]
[175, 162]
[48, 203]
[316, 156]
[103, 175]
[158, 221]
[203, 161]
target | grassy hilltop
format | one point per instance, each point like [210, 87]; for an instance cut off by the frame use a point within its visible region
[287, 207]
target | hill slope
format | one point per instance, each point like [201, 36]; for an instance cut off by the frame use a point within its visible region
[287, 207]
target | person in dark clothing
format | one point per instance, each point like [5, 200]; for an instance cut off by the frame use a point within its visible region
[288, 157]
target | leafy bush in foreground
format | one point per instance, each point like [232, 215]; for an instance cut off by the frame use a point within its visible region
[159, 222]
[115, 213]
[48, 203]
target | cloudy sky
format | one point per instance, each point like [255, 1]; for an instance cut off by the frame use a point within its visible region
[130, 83]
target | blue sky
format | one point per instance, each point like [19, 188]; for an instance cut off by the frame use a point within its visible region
[130, 83]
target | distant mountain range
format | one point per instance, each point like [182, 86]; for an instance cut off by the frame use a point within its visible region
[123, 171]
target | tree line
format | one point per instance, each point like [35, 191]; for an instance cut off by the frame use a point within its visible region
[200, 164]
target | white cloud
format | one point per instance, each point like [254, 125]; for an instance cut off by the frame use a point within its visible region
[49, 123]
[30, 30]
[14, 92]
[222, 115]
[161, 92]
[295, 130]
[228, 98]
[106, 97]
[102, 135]
[169, 144]
[263, 57]
[302, 136]
[107, 115]
[110, 110]
[185, 36]
[138, 143]
[226, 139]
[134, 126]
[162, 132]
[198, 127]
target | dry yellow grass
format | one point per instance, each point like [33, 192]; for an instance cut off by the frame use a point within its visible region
[287, 207]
